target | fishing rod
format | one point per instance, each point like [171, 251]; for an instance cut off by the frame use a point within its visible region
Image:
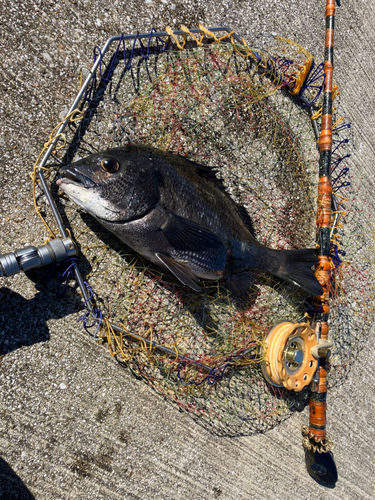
[319, 459]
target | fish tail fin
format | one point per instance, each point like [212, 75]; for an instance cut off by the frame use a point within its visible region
[296, 266]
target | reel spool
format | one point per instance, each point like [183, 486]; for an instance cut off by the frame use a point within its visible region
[292, 353]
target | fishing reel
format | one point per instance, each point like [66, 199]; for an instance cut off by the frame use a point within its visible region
[292, 354]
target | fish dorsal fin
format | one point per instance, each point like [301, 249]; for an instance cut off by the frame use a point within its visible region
[246, 219]
[181, 270]
[210, 173]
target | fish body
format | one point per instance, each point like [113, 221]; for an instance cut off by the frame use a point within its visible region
[177, 214]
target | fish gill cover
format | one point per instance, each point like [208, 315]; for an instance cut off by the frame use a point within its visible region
[246, 112]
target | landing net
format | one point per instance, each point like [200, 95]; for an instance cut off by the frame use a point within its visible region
[247, 112]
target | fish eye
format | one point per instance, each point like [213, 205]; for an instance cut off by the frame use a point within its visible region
[109, 164]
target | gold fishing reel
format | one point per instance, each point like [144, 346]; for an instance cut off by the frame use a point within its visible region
[291, 355]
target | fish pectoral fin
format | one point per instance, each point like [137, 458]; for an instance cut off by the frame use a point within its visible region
[181, 270]
[194, 242]
[240, 283]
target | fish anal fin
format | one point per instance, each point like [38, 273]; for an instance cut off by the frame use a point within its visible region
[240, 283]
[181, 270]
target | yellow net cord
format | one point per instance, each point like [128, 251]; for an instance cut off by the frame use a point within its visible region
[53, 138]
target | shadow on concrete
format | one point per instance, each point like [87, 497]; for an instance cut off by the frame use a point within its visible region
[23, 322]
[11, 486]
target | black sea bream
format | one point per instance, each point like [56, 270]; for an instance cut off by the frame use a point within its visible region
[177, 214]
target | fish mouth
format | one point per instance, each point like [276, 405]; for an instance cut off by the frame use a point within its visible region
[70, 176]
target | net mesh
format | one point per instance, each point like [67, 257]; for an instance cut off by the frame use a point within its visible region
[239, 110]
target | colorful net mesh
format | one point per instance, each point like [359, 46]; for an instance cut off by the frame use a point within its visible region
[246, 112]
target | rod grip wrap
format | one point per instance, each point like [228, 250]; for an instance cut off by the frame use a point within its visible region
[330, 8]
[324, 202]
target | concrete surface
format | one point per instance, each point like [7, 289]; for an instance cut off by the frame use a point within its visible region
[75, 426]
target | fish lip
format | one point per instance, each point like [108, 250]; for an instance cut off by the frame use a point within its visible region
[70, 176]
[67, 180]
